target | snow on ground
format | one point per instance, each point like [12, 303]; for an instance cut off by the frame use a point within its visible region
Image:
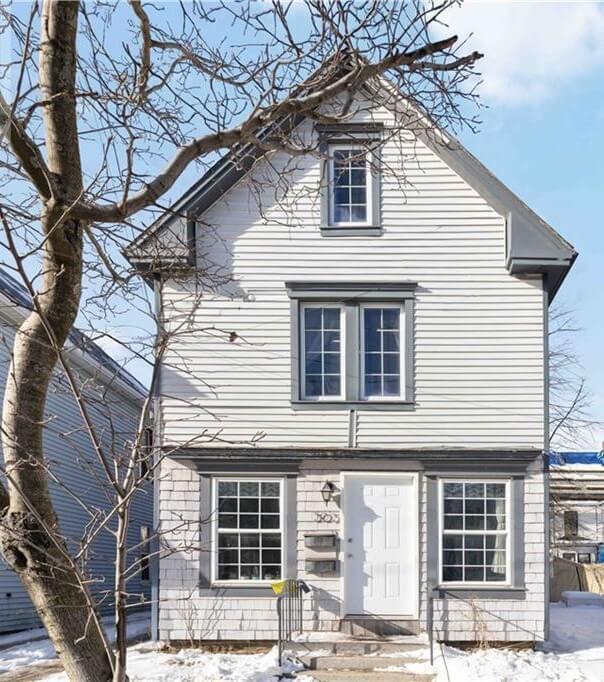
[147, 664]
[575, 653]
[28, 647]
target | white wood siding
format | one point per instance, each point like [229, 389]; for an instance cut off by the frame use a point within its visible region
[72, 460]
[478, 330]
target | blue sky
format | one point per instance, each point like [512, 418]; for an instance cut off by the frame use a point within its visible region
[543, 135]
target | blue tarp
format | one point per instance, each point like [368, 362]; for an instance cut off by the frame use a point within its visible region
[562, 458]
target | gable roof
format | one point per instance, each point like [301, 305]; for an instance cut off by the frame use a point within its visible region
[532, 245]
[95, 356]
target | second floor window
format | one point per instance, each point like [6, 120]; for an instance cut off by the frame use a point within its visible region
[374, 355]
[350, 186]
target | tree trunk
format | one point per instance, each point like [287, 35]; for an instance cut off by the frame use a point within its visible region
[29, 534]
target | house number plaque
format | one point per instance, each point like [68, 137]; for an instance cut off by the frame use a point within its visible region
[327, 517]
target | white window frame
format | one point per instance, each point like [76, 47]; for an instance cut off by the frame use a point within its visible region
[302, 327]
[215, 530]
[509, 524]
[402, 350]
[368, 186]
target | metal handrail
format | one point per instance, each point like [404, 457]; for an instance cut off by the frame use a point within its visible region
[289, 612]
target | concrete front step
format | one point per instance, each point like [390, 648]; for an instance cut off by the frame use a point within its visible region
[358, 663]
[355, 646]
[365, 676]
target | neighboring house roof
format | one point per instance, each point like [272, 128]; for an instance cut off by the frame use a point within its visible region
[532, 245]
[19, 296]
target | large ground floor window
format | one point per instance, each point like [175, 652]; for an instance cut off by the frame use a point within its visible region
[474, 531]
[248, 529]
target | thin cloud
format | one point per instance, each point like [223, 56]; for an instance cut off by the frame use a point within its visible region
[533, 50]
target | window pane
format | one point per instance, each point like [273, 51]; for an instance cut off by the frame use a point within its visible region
[331, 318]
[474, 522]
[331, 341]
[390, 343]
[453, 541]
[373, 385]
[474, 542]
[451, 574]
[250, 572]
[270, 521]
[248, 489]
[332, 385]
[271, 505]
[313, 363]
[391, 318]
[373, 363]
[474, 558]
[313, 341]
[392, 386]
[474, 506]
[313, 386]
[358, 177]
[227, 540]
[249, 505]
[453, 506]
[358, 214]
[474, 489]
[248, 520]
[227, 520]
[453, 522]
[312, 318]
[391, 363]
[250, 556]
[496, 490]
[228, 556]
[332, 363]
[453, 489]
[228, 504]
[357, 195]
[452, 558]
[251, 539]
[271, 556]
[271, 572]
[270, 489]
[271, 540]
[342, 214]
[227, 489]
[228, 572]
[474, 574]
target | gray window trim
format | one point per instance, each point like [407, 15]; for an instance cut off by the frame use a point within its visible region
[206, 588]
[516, 589]
[369, 136]
[350, 295]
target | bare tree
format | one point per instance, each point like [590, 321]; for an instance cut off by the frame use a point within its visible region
[87, 125]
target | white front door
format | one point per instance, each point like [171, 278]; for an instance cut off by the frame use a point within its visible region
[380, 544]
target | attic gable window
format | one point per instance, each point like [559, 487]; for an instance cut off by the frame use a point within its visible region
[349, 186]
[350, 178]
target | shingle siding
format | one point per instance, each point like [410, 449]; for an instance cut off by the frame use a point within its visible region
[187, 614]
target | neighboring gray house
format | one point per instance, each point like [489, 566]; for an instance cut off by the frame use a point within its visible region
[71, 458]
[577, 506]
[360, 360]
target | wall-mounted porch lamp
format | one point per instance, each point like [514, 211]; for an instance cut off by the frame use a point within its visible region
[329, 491]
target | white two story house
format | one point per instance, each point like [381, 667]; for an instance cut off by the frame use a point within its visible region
[355, 389]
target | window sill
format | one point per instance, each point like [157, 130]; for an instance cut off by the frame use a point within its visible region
[376, 405]
[258, 589]
[348, 231]
[461, 591]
